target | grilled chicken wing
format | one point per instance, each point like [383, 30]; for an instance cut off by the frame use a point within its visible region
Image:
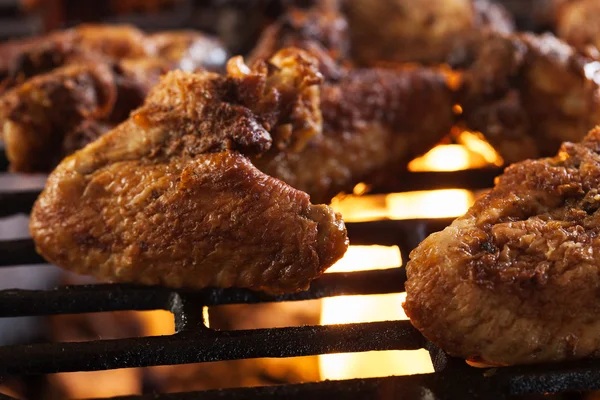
[375, 121]
[52, 78]
[170, 196]
[321, 30]
[528, 93]
[36, 116]
[186, 49]
[400, 31]
[517, 279]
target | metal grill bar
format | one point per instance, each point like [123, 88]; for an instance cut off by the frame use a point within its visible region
[115, 297]
[207, 345]
[457, 382]
[194, 342]
[19, 252]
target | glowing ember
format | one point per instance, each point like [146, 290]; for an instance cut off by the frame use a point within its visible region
[429, 204]
[471, 152]
[424, 204]
[451, 157]
[348, 309]
[475, 143]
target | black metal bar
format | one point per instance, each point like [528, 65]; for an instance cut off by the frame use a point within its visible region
[386, 233]
[328, 285]
[3, 160]
[405, 233]
[114, 297]
[85, 298]
[422, 387]
[19, 252]
[472, 179]
[553, 378]
[207, 345]
[459, 381]
[394, 232]
[17, 202]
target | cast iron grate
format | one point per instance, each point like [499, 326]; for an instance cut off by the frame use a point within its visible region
[194, 342]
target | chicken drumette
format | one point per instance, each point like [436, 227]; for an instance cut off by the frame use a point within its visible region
[516, 280]
[53, 101]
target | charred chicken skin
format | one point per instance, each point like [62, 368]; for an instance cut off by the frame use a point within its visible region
[171, 197]
[73, 85]
[516, 280]
[375, 120]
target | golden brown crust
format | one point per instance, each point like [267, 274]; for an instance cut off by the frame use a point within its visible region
[322, 32]
[36, 115]
[516, 280]
[213, 220]
[168, 197]
[135, 61]
[374, 122]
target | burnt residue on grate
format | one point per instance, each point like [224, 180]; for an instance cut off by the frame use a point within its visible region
[194, 342]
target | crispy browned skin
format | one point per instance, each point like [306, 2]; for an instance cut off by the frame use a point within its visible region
[186, 49]
[169, 196]
[577, 24]
[37, 115]
[45, 74]
[321, 30]
[374, 122]
[399, 31]
[517, 279]
[529, 93]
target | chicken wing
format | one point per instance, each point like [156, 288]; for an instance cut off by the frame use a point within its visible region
[170, 196]
[186, 49]
[38, 114]
[375, 121]
[517, 279]
[135, 61]
[322, 31]
[399, 31]
[528, 93]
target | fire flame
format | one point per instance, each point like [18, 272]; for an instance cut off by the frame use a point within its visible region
[472, 152]
[347, 309]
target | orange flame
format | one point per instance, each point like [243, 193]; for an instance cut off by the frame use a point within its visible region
[472, 152]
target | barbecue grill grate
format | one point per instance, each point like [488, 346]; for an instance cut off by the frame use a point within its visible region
[194, 342]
